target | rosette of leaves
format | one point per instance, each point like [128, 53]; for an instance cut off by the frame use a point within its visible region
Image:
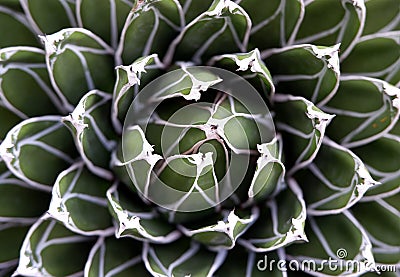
[326, 187]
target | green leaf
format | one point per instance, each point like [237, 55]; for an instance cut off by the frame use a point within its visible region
[338, 238]
[382, 16]
[377, 56]
[335, 181]
[78, 61]
[135, 220]
[223, 234]
[91, 127]
[112, 14]
[192, 9]
[280, 223]
[303, 127]
[380, 219]
[182, 258]
[44, 138]
[79, 202]
[50, 249]
[223, 28]
[43, 21]
[149, 28]
[115, 257]
[15, 29]
[365, 110]
[332, 22]
[279, 19]
[305, 70]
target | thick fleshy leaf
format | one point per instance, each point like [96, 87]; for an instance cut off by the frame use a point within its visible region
[15, 29]
[50, 249]
[335, 181]
[91, 127]
[305, 70]
[332, 22]
[337, 238]
[79, 202]
[19, 202]
[129, 80]
[269, 175]
[115, 257]
[365, 110]
[149, 28]
[380, 219]
[382, 16]
[192, 9]
[43, 21]
[78, 61]
[223, 28]
[24, 80]
[223, 234]
[44, 138]
[112, 14]
[303, 127]
[382, 158]
[181, 258]
[280, 223]
[275, 24]
[249, 66]
[376, 55]
[136, 220]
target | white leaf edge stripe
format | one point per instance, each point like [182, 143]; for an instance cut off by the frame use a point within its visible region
[365, 256]
[52, 47]
[328, 55]
[226, 226]
[387, 90]
[28, 266]
[360, 171]
[133, 72]
[296, 231]
[9, 150]
[101, 248]
[324, 120]
[216, 12]
[20, 17]
[190, 253]
[77, 117]
[58, 210]
[127, 220]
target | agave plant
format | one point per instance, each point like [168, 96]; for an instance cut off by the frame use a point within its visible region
[124, 150]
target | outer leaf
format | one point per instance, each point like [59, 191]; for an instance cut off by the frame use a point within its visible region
[48, 141]
[376, 55]
[223, 28]
[45, 22]
[279, 19]
[339, 238]
[280, 223]
[375, 113]
[181, 258]
[335, 181]
[306, 70]
[303, 126]
[382, 160]
[50, 249]
[91, 127]
[112, 14]
[15, 29]
[78, 201]
[382, 16]
[115, 257]
[332, 22]
[149, 28]
[135, 220]
[78, 61]
[380, 219]
[225, 233]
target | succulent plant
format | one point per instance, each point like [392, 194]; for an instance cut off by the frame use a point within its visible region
[199, 138]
